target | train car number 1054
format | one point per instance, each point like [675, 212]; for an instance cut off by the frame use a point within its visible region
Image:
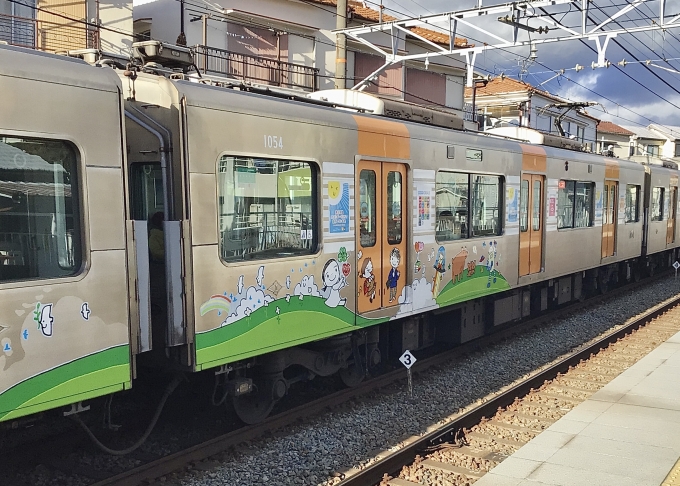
[272, 141]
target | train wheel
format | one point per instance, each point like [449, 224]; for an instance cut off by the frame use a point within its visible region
[603, 282]
[352, 376]
[254, 407]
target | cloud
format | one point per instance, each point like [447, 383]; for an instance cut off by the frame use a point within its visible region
[253, 299]
[416, 297]
[307, 287]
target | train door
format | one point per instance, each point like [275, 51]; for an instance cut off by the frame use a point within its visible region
[531, 224]
[609, 218]
[670, 231]
[381, 240]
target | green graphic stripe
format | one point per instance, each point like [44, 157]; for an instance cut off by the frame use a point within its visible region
[284, 330]
[471, 288]
[87, 377]
[263, 314]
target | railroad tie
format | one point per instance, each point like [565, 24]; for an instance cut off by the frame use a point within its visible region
[442, 466]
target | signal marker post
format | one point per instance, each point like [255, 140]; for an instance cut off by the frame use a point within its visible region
[408, 360]
[676, 265]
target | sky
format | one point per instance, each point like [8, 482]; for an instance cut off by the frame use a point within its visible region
[634, 95]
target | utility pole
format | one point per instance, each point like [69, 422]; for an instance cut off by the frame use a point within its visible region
[341, 45]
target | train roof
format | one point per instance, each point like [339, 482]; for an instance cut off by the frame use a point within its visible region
[53, 68]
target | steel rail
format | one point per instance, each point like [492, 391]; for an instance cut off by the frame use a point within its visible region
[176, 461]
[391, 464]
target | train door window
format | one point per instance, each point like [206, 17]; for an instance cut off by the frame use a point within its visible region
[611, 209]
[583, 210]
[394, 225]
[536, 211]
[524, 206]
[39, 209]
[656, 213]
[367, 224]
[265, 208]
[451, 200]
[146, 194]
[485, 202]
[632, 214]
[565, 202]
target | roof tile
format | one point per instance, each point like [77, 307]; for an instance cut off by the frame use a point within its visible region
[609, 127]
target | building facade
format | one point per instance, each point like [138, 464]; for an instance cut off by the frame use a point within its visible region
[507, 102]
[292, 44]
[60, 25]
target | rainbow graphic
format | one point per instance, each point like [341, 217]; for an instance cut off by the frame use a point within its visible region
[220, 303]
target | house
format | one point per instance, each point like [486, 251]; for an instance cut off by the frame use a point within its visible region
[614, 138]
[507, 102]
[60, 25]
[671, 146]
[646, 145]
[292, 44]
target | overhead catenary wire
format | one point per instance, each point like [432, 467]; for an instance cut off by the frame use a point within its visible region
[120, 31]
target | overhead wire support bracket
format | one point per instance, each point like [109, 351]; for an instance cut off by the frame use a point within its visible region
[517, 15]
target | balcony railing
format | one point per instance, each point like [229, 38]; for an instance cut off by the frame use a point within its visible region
[45, 35]
[253, 68]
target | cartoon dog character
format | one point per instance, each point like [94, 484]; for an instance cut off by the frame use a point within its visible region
[458, 265]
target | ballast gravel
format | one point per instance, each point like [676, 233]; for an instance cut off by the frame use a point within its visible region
[320, 450]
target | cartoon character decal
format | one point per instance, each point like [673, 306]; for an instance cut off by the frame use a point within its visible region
[418, 246]
[492, 262]
[369, 278]
[440, 268]
[43, 316]
[458, 265]
[393, 276]
[333, 281]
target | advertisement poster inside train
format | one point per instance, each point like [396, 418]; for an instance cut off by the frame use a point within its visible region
[598, 205]
[423, 207]
[338, 205]
[512, 204]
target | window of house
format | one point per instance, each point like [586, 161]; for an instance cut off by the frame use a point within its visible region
[39, 211]
[265, 208]
[631, 150]
[677, 149]
[653, 150]
[580, 133]
[575, 204]
[656, 213]
[632, 203]
[459, 195]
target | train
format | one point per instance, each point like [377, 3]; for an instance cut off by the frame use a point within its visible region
[154, 219]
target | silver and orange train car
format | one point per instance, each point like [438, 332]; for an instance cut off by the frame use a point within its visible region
[152, 221]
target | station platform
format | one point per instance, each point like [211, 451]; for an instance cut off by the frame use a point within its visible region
[626, 434]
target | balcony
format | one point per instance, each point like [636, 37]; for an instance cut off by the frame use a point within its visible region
[46, 35]
[211, 60]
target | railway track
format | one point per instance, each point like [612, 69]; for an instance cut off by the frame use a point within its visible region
[471, 444]
[147, 466]
[177, 461]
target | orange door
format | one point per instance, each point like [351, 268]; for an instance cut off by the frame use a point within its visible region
[609, 218]
[369, 238]
[381, 239]
[670, 231]
[394, 234]
[531, 224]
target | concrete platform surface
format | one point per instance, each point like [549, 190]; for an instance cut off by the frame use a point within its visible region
[626, 434]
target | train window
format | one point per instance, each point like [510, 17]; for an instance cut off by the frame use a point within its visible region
[265, 208]
[536, 210]
[146, 191]
[486, 204]
[39, 210]
[524, 206]
[632, 205]
[575, 204]
[394, 208]
[367, 208]
[657, 204]
[451, 200]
